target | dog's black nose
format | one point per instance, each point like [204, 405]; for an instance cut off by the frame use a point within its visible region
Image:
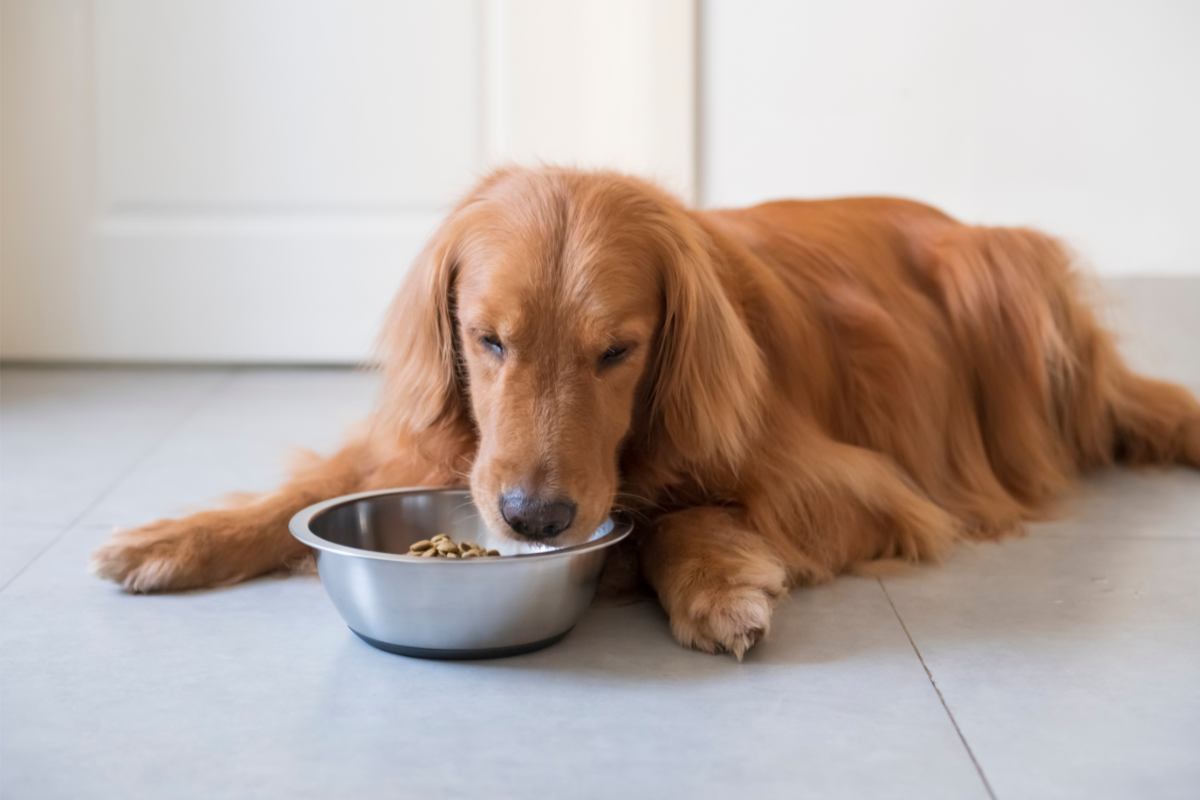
[535, 518]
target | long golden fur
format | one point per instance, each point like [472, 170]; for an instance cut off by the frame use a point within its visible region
[783, 392]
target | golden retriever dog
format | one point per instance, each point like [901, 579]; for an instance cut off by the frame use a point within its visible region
[780, 392]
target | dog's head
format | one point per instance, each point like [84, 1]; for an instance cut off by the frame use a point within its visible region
[559, 314]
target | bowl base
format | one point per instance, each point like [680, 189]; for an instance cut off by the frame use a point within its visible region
[461, 655]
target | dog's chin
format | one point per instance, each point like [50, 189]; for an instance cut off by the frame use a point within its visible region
[583, 529]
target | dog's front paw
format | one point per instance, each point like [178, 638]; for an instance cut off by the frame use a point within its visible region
[724, 618]
[162, 556]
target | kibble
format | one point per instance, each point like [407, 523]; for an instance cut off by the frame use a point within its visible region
[442, 546]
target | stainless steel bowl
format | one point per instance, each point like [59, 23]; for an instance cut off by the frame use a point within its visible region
[529, 598]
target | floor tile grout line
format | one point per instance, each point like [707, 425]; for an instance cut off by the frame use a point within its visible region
[912, 643]
[150, 449]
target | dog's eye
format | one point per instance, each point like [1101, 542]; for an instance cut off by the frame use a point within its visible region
[492, 342]
[613, 354]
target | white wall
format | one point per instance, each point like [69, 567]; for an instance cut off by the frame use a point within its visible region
[1081, 117]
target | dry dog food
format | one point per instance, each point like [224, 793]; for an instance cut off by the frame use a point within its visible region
[442, 546]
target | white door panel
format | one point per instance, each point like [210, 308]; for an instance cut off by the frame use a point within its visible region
[274, 104]
[248, 180]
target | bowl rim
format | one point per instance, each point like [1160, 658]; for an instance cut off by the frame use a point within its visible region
[301, 528]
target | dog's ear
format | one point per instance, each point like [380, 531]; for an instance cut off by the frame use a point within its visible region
[706, 390]
[417, 347]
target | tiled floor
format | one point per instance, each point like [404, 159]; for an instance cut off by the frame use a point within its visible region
[1065, 664]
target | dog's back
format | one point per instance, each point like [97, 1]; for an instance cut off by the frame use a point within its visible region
[967, 354]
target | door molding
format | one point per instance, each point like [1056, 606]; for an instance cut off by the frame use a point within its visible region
[595, 83]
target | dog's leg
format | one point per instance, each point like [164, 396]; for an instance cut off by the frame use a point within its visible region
[1154, 421]
[227, 545]
[717, 579]
[719, 571]
[846, 504]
